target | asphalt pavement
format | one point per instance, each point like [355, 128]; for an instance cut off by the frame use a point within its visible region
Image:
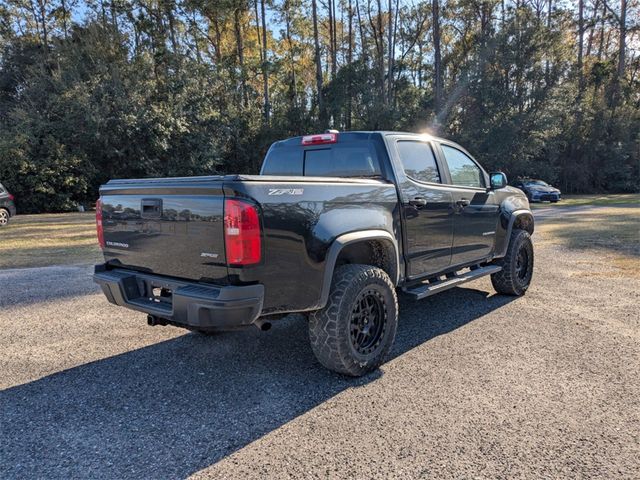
[478, 386]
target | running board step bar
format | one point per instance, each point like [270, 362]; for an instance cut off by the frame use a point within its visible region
[423, 290]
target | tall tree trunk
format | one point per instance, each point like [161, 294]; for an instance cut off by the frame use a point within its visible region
[333, 50]
[350, 33]
[363, 38]
[607, 42]
[574, 147]
[547, 68]
[394, 39]
[349, 61]
[41, 18]
[237, 25]
[381, 53]
[330, 52]
[257, 14]
[335, 31]
[580, 47]
[601, 39]
[437, 57]
[622, 43]
[592, 28]
[340, 44]
[114, 14]
[65, 12]
[322, 113]
[218, 40]
[193, 30]
[293, 88]
[389, 49]
[136, 30]
[265, 69]
[378, 37]
[172, 26]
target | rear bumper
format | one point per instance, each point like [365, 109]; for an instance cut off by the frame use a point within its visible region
[190, 304]
[12, 210]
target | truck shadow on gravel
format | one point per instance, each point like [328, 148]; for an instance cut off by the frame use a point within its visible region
[176, 407]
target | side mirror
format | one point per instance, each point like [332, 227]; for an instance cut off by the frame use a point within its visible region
[498, 180]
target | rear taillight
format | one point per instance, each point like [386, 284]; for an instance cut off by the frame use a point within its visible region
[320, 139]
[242, 238]
[11, 197]
[99, 228]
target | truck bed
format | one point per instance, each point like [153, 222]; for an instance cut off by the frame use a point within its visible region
[175, 226]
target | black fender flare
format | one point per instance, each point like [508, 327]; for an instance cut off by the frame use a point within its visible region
[343, 240]
[516, 215]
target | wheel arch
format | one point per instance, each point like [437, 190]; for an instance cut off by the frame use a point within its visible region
[519, 219]
[370, 247]
[522, 220]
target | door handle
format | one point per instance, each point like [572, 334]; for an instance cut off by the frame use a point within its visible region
[463, 202]
[418, 202]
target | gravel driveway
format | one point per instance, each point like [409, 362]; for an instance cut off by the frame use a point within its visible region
[479, 385]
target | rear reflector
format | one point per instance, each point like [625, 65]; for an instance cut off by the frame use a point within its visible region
[99, 228]
[320, 139]
[242, 238]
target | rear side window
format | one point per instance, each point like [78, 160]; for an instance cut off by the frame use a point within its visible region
[1, 188]
[418, 161]
[463, 170]
[341, 161]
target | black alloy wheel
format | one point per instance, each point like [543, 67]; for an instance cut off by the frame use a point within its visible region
[368, 322]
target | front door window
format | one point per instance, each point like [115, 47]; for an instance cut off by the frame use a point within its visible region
[464, 172]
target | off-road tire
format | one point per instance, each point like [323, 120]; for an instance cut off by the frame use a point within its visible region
[332, 331]
[4, 217]
[512, 279]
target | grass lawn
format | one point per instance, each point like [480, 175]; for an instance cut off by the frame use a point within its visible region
[601, 200]
[49, 239]
[613, 231]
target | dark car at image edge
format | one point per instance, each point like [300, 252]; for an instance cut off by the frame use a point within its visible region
[334, 225]
[7, 206]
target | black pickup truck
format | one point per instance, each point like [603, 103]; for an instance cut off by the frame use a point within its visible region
[334, 224]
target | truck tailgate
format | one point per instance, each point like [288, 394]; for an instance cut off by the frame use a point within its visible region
[170, 227]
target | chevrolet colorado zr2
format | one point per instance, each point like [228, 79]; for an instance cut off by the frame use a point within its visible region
[333, 227]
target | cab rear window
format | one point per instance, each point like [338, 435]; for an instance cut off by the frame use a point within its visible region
[353, 159]
[341, 161]
[283, 161]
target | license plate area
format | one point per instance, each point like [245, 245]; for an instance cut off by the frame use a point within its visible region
[158, 294]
